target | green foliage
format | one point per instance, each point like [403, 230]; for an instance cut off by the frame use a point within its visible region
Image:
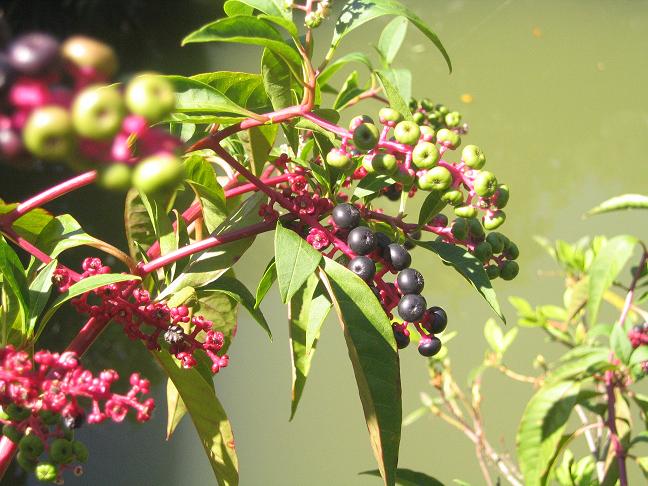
[620, 203]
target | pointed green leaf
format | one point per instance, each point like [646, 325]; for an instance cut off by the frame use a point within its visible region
[350, 89]
[14, 284]
[39, 293]
[620, 203]
[244, 89]
[268, 278]
[258, 143]
[372, 350]
[29, 225]
[277, 80]
[295, 261]
[270, 7]
[340, 62]
[62, 233]
[407, 477]
[431, 206]
[138, 226]
[469, 267]
[391, 39]
[621, 344]
[222, 310]
[394, 94]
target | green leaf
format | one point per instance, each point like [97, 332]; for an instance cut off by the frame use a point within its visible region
[580, 363]
[209, 265]
[138, 226]
[372, 184]
[244, 89]
[638, 355]
[431, 206]
[393, 94]
[469, 267]
[391, 39]
[642, 462]
[621, 344]
[29, 225]
[620, 203]
[258, 143]
[357, 12]
[222, 310]
[268, 278]
[162, 225]
[269, 7]
[277, 80]
[176, 409]
[494, 336]
[14, 284]
[247, 30]
[236, 290]
[605, 268]
[350, 89]
[307, 310]
[39, 293]
[81, 287]
[407, 477]
[201, 177]
[209, 418]
[339, 63]
[295, 261]
[640, 437]
[542, 427]
[372, 350]
[62, 233]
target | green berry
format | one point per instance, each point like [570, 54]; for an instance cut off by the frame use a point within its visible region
[97, 112]
[338, 159]
[485, 184]
[11, 433]
[427, 133]
[356, 121]
[453, 119]
[418, 118]
[61, 451]
[475, 228]
[389, 115]
[501, 196]
[17, 413]
[473, 157]
[46, 472]
[115, 177]
[31, 446]
[494, 220]
[448, 138]
[459, 228]
[28, 463]
[492, 271]
[85, 52]
[427, 105]
[509, 270]
[441, 109]
[150, 96]
[80, 451]
[157, 173]
[435, 119]
[425, 155]
[384, 163]
[49, 134]
[496, 241]
[511, 252]
[466, 211]
[407, 132]
[483, 252]
[454, 197]
[365, 136]
[404, 177]
[436, 179]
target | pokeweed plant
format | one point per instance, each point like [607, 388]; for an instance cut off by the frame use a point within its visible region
[590, 394]
[209, 162]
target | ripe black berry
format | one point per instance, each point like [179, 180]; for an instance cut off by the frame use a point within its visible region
[346, 216]
[429, 347]
[375, 290]
[410, 281]
[398, 256]
[393, 192]
[363, 267]
[416, 235]
[402, 339]
[33, 53]
[362, 240]
[382, 241]
[412, 307]
[438, 320]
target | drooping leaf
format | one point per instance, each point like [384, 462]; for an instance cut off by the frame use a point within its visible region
[407, 477]
[258, 143]
[621, 344]
[432, 205]
[201, 177]
[208, 416]
[372, 350]
[620, 203]
[394, 94]
[605, 268]
[62, 233]
[307, 310]
[176, 409]
[350, 89]
[244, 89]
[14, 284]
[268, 278]
[277, 80]
[161, 224]
[295, 261]
[356, 13]
[542, 427]
[469, 267]
[391, 39]
[269, 7]
[39, 293]
[139, 229]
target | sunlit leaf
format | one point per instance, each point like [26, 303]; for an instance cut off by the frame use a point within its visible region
[620, 203]
[407, 477]
[392, 38]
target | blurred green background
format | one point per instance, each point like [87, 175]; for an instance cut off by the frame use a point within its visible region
[559, 105]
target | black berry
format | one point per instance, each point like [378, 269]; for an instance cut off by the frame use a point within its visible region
[402, 339]
[346, 216]
[33, 53]
[398, 256]
[429, 347]
[416, 235]
[438, 320]
[382, 241]
[393, 192]
[362, 240]
[410, 281]
[363, 267]
[412, 307]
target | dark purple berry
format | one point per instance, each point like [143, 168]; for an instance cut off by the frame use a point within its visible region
[412, 307]
[382, 241]
[402, 338]
[410, 281]
[416, 235]
[375, 290]
[398, 256]
[73, 421]
[362, 240]
[363, 267]
[438, 320]
[393, 192]
[346, 216]
[33, 53]
[11, 147]
[429, 347]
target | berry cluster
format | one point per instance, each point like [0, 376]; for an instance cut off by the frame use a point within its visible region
[41, 405]
[638, 335]
[151, 322]
[369, 248]
[57, 106]
[415, 157]
[438, 116]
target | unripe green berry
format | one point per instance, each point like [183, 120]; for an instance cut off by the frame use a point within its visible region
[80, 451]
[492, 271]
[494, 220]
[485, 184]
[115, 177]
[338, 159]
[448, 138]
[365, 136]
[501, 196]
[473, 157]
[49, 134]
[389, 116]
[98, 111]
[157, 173]
[427, 105]
[511, 252]
[31, 446]
[384, 163]
[61, 451]
[28, 463]
[435, 119]
[17, 413]
[427, 133]
[404, 177]
[11, 433]
[454, 197]
[442, 109]
[509, 270]
[496, 242]
[453, 119]
[418, 117]
[436, 179]
[475, 228]
[425, 155]
[483, 252]
[46, 472]
[407, 132]
[150, 96]
[466, 211]
[459, 228]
